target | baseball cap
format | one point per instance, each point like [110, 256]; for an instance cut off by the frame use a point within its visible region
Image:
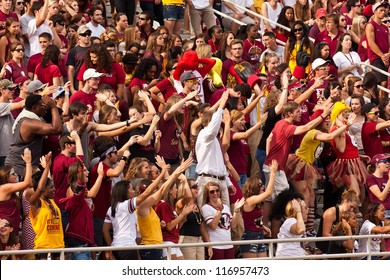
[318, 62]
[368, 107]
[321, 12]
[379, 4]
[187, 75]
[91, 73]
[59, 92]
[378, 157]
[5, 83]
[295, 85]
[82, 29]
[35, 85]
[21, 79]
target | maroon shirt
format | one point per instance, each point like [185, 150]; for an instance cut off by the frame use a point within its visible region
[102, 200]
[371, 140]
[3, 18]
[381, 39]
[33, 62]
[60, 176]
[324, 37]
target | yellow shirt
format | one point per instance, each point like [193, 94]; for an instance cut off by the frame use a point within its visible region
[292, 62]
[47, 227]
[173, 2]
[149, 228]
[310, 148]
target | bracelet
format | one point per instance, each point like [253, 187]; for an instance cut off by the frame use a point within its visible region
[127, 123]
[322, 117]
[124, 158]
[312, 88]
[237, 211]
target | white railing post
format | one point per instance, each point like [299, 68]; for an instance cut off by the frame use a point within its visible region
[229, 17]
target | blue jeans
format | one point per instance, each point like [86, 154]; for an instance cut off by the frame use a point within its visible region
[243, 178]
[80, 255]
[260, 156]
[151, 254]
[191, 173]
[173, 12]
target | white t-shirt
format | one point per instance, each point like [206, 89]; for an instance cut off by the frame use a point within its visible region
[366, 228]
[243, 3]
[96, 31]
[124, 224]
[345, 60]
[289, 248]
[33, 33]
[24, 20]
[222, 232]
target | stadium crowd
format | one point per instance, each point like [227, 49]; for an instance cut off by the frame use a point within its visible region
[176, 125]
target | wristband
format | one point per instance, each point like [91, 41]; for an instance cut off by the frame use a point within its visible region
[124, 158]
[127, 123]
[322, 117]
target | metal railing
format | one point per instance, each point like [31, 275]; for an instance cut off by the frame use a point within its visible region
[270, 242]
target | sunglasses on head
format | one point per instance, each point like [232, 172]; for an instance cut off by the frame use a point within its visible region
[86, 34]
[214, 191]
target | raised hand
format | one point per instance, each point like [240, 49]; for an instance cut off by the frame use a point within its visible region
[26, 155]
[274, 165]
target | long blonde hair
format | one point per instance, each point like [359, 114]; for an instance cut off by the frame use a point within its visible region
[356, 26]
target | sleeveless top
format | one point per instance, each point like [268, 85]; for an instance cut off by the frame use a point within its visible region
[381, 39]
[253, 219]
[48, 227]
[272, 15]
[323, 245]
[149, 228]
[17, 148]
[191, 227]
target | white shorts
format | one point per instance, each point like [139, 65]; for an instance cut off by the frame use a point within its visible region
[174, 251]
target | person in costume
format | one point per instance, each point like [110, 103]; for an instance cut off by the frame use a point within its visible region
[300, 168]
[348, 169]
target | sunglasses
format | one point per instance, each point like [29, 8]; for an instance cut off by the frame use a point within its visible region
[358, 86]
[214, 191]
[376, 113]
[18, 50]
[342, 19]
[62, 23]
[86, 34]
[11, 88]
[19, 3]
[142, 19]
[298, 29]
[385, 21]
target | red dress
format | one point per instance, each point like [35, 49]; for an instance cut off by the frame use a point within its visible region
[347, 163]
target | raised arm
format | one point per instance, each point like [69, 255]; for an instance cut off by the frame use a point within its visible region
[35, 197]
[299, 226]
[144, 140]
[314, 123]
[8, 188]
[96, 187]
[115, 172]
[168, 115]
[253, 129]
[283, 96]
[251, 201]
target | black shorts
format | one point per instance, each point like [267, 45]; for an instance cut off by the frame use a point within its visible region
[378, 63]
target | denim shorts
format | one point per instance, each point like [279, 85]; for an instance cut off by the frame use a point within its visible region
[253, 248]
[173, 12]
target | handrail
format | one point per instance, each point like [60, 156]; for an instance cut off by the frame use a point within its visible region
[376, 69]
[271, 242]
[229, 17]
[258, 15]
[384, 89]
